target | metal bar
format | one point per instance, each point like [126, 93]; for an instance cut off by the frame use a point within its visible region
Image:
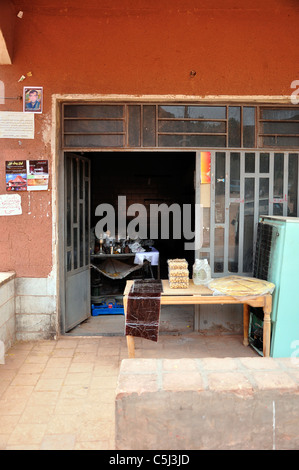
[11, 98]
[271, 181]
[241, 212]
[212, 215]
[226, 211]
[256, 198]
[285, 184]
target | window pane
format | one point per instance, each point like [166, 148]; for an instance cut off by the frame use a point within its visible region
[206, 227]
[93, 141]
[234, 126]
[192, 141]
[280, 114]
[264, 196]
[134, 128]
[89, 127]
[219, 250]
[149, 126]
[233, 248]
[249, 162]
[278, 175]
[195, 112]
[277, 141]
[94, 111]
[264, 163]
[192, 126]
[248, 127]
[248, 225]
[280, 128]
[234, 183]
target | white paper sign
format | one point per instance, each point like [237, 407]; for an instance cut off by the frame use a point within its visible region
[10, 204]
[16, 125]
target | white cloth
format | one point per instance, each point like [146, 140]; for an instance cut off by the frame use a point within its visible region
[152, 256]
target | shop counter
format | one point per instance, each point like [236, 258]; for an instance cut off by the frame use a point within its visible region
[198, 295]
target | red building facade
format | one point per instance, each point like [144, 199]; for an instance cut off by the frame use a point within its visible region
[191, 53]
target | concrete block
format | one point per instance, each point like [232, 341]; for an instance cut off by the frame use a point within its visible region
[207, 404]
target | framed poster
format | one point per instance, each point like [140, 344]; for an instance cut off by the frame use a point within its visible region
[33, 99]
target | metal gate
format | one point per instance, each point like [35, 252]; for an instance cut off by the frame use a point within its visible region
[77, 249]
[244, 186]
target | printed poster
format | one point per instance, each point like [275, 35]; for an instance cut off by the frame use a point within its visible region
[37, 175]
[16, 175]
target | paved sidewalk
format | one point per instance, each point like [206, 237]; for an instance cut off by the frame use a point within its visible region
[59, 395]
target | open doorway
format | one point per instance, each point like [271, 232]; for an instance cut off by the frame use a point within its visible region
[144, 178]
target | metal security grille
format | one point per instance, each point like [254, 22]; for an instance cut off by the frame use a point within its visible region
[244, 186]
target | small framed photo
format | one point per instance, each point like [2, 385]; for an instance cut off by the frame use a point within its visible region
[33, 99]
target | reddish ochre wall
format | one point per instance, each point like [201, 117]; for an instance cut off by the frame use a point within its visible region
[133, 47]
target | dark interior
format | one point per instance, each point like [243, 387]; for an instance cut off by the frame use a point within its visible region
[146, 178]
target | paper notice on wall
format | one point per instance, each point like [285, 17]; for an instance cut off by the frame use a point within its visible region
[16, 125]
[10, 204]
[37, 175]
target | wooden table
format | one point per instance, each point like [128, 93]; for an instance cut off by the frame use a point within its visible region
[198, 295]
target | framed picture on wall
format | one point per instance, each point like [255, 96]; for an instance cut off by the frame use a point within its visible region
[33, 99]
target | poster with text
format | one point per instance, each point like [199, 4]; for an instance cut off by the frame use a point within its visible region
[16, 175]
[37, 175]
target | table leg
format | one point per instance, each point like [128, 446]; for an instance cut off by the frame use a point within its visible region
[267, 325]
[131, 346]
[245, 324]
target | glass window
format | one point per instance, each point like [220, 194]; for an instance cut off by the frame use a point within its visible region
[192, 112]
[234, 183]
[280, 114]
[233, 243]
[249, 162]
[248, 224]
[94, 126]
[248, 127]
[234, 126]
[219, 250]
[278, 175]
[192, 141]
[264, 196]
[264, 163]
[220, 187]
[134, 126]
[210, 127]
[93, 141]
[149, 126]
[94, 111]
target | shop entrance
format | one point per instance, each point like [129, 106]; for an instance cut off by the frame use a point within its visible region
[128, 184]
